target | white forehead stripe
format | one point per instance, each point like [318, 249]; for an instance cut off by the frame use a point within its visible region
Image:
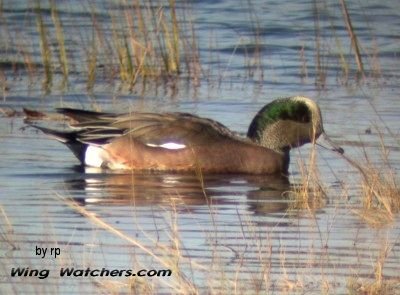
[309, 102]
[93, 156]
[168, 145]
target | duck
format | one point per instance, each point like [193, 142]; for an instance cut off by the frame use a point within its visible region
[183, 142]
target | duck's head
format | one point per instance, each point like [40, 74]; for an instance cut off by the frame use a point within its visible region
[288, 123]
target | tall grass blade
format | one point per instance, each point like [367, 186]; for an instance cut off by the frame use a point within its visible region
[62, 53]
[320, 71]
[175, 33]
[353, 38]
[44, 48]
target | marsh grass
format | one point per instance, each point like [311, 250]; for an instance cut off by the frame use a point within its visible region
[364, 287]
[308, 191]
[378, 285]
[356, 61]
[253, 259]
[255, 59]
[159, 38]
[3, 85]
[155, 41]
[95, 43]
[28, 62]
[353, 38]
[6, 235]
[379, 187]
[320, 67]
[62, 52]
[171, 39]
[164, 254]
[45, 49]
[381, 195]
[220, 277]
[138, 40]
[148, 43]
[303, 67]
[91, 64]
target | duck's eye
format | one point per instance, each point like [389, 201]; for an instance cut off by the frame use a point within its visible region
[305, 118]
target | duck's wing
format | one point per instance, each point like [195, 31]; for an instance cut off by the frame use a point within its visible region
[149, 128]
[180, 128]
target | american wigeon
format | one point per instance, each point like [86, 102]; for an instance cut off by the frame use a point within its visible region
[185, 142]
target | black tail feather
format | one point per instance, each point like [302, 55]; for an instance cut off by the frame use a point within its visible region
[61, 136]
[82, 116]
[69, 138]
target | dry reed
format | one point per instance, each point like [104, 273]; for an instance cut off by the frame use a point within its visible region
[320, 67]
[139, 41]
[44, 48]
[379, 188]
[308, 193]
[7, 235]
[168, 258]
[378, 285]
[353, 38]
[62, 53]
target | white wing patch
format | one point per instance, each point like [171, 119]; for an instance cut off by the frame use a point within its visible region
[168, 145]
[94, 156]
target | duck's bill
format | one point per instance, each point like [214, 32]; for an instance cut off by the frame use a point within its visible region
[332, 146]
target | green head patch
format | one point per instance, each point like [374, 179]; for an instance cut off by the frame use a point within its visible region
[281, 109]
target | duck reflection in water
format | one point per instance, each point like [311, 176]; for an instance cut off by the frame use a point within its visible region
[260, 194]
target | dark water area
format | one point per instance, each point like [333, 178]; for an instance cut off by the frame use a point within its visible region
[218, 233]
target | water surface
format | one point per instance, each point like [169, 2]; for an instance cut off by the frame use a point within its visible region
[223, 232]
